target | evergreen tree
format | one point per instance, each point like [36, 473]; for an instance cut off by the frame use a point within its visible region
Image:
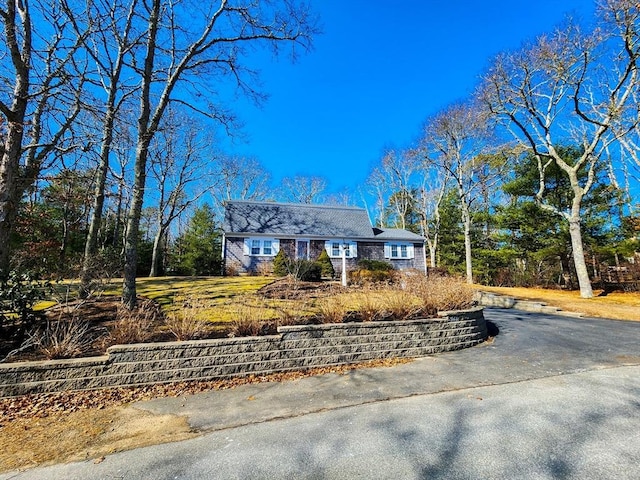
[199, 250]
[535, 241]
[451, 243]
[326, 267]
[281, 264]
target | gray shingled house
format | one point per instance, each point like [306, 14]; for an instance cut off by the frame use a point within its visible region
[254, 232]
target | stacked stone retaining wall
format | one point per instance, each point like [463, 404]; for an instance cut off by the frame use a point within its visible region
[296, 347]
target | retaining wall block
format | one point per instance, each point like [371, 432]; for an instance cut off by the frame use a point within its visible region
[293, 348]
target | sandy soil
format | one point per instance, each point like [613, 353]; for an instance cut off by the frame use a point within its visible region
[27, 442]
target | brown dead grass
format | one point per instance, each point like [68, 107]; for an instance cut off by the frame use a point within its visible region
[27, 442]
[615, 305]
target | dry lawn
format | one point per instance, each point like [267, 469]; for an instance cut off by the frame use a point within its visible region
[28, 442]
[616, 305]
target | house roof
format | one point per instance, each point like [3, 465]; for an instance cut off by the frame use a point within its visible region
[396, 234]
[293, 219]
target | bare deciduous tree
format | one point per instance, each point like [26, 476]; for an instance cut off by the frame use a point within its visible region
[377, 187]
[193, 54]
[431, 193]
[40, 105]
[571, 87]
[399, 171]
[108, 48]
[238, 178]
[453, 142]
[393, 185]
[301, 189]
[178, 171]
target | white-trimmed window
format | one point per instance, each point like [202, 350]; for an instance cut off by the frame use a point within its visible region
[399, 251]
[261, 247]
[334, 248]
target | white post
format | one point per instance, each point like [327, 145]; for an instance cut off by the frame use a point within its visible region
[344, 264]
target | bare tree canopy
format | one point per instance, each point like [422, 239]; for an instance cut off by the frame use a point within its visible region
[572, 87]
[454, 142]
[38, 103]
[301, 189]
[238, 178]
[191, 44]
[179, 174]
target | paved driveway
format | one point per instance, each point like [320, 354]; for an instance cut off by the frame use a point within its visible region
[550, 397]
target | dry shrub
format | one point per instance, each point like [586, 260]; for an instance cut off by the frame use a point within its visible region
[251, 321]
[135, 326]
[400, 304]
[441, 293]
[62, 339]
[367, 277]
[247, 328]
[233, 268]
[288, 316]
[331, 310]
[187, 323]
[292, 312]
[369, 306]
[265, 269]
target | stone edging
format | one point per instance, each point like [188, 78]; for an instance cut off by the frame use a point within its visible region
[296, 347]
[494, 300]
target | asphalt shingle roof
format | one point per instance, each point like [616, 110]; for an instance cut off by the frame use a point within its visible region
[397, 234]
[289, 219]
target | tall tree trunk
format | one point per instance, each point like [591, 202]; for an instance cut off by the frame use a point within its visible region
[575, 230]
[117, 238]
[91, 244]
[156, 256]
[582, 272]
[466, 220]
[19, 44]
[9, 169]
[145, 135]
[129, 294]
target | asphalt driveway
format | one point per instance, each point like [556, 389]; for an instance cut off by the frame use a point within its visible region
[550, 397]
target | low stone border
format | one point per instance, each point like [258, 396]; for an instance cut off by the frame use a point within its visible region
[295, 347]
[494, 300]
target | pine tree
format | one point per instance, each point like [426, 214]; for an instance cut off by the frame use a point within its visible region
[199, 249]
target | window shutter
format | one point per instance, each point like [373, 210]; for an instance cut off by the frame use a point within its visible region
[247, 246]
[410, 251]
[387, 250]
[327, 247]
[275, 246]
[353, 249]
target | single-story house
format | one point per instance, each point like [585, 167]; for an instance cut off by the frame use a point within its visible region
[254, 232]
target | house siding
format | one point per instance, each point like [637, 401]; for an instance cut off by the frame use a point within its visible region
[236, 260]
[417, 262]
[371, 251]
[315, 249]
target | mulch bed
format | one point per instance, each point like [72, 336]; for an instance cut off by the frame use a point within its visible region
[287, 289]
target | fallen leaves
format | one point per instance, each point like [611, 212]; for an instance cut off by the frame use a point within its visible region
[46, 404]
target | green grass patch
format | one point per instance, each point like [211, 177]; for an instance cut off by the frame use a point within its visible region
[219, 297]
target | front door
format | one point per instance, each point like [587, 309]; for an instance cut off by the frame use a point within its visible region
[302, 249]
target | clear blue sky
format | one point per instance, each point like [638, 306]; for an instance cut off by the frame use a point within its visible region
[376, 73]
